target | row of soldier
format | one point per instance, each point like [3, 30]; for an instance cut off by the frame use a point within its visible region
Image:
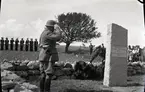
[17, 44]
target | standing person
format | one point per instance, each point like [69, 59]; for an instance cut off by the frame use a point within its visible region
[27, 44]
[21, 44]
[48, 53]
[31, 44]
[6, 44]
[2, 43]
[103, 53]
[91, 48]
[11, 43]
[96, 53]
[35, 45]
[16, 44]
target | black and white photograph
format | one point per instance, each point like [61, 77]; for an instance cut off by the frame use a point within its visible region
[72, 45]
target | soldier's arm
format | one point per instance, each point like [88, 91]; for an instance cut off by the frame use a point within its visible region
[56, 35]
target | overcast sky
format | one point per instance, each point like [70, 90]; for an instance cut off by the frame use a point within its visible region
[26, 18]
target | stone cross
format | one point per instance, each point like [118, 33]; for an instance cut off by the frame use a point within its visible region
[115, 73]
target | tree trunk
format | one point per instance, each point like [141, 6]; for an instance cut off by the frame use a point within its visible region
[66, 47]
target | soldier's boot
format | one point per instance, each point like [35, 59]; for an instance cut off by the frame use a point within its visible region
[47, 83]
[42, 82]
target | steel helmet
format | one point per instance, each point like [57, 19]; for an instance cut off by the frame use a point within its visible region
[50, 23]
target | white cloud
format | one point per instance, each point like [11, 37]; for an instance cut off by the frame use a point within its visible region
[26, 18]
[12, 28]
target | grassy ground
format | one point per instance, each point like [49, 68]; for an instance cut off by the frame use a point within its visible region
[135, 83]
[74, 54]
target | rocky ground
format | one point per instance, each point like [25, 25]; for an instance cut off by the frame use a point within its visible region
[20, 77]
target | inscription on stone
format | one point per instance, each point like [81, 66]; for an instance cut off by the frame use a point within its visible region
[118, 51]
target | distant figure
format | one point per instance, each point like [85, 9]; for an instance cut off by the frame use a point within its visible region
[99, 51]
[31, 44]
[2, 43]
[103, 53]
[16, 44]
[129, 47]
[96, 52]
[6, 44]
[11, 44]
[21, 44]
[27, 44]
[139, 53]
[35, 45]
[143, 54]
[91, 48]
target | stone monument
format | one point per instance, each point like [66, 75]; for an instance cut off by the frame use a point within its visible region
[115, 73]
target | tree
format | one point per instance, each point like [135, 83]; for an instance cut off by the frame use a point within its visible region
[77, 27]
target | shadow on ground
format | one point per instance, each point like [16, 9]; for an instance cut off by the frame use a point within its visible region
[134, 84]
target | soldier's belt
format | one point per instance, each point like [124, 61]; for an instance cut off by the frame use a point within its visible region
[44, 46]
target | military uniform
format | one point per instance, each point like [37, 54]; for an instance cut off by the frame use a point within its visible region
[2, 43]
[91, 48]
[21, 44]
[31, 45]
[35, 45]
[6, 44]
[48, 54]
[27, 44]
[16, 44]
[11, 43]
[48, 51]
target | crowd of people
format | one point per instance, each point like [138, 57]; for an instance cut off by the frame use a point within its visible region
[134, 52]
[28, 45]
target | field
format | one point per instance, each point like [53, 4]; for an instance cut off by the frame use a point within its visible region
[135, 83]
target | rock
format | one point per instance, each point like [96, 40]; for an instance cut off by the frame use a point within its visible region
[59, 64]
[29, 86]
[8, 85]
[23, 64]
[5, 73]
[23, 74]
[8, 75]
[68, 65]
[33, 72]
[33, 64]
[80, 65]
[22, 68]
[20, 88]
[68, 71]
[26, 87]
[58, 72]
[30, 63]
[6, 65]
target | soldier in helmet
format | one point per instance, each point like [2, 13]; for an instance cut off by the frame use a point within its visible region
[11, 43]
[35, 45]
[16, 44]
[2, 43]
[31, 44]
[6, 44]
[48, 54]
[27, 44]
[91, 48]
[21, 44]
